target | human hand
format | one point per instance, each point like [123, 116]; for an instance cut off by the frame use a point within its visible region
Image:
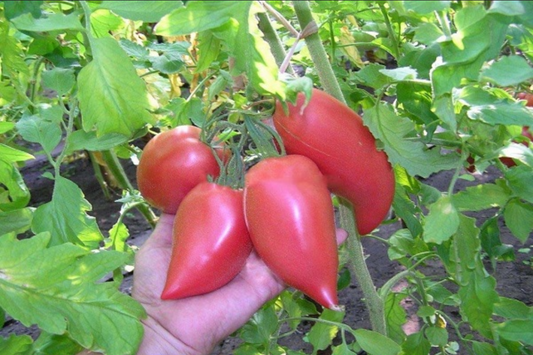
[194, 325]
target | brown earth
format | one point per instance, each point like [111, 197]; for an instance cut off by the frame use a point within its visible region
[515, 279]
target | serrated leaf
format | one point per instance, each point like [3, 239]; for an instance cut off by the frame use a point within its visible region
[321, 334]
[517, 330]
[260, 327]
[17, 221]
[103, 22]
[43, 128]
[11, 52]
[372, 76]
[208, 49]
[14, 9]
[396, 316]
[61, 80]
[400, 74]
[118, 234]
[16, 345]
[140, 10]
[414, 156]
[12, 155]
[198, 16]
[508, 71]
[441, 222]
[520, 179]
[81, 140]
[416, 344]
[342, 349]
[53, 344]
[53, 22]
[519, 219]
[375, 343]
[61, 295]
[120, 105]
[437, 336]
[512, 309]
[478, 297]
[66, 218]
[14, 194]
[480, 197]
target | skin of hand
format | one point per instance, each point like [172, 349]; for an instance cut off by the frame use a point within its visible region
[194, 325]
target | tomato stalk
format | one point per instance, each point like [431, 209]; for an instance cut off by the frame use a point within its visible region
[358, 265]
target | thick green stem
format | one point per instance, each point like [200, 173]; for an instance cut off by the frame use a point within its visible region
[317, 51]
[355, 248]
[272, 38]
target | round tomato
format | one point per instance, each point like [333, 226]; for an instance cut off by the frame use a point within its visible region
[334, 137]
[210, 241]
[290, 218]
[172, 163]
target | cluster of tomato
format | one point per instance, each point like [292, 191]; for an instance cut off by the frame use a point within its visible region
[284, 212]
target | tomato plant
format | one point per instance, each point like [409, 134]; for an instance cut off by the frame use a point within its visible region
[172, 164]
[334, 137]
[289, 214]
[438, 86]
[210, 241]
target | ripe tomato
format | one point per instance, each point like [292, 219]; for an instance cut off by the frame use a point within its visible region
[334, 137]
[172, 163]
[526, 96]
[210, 241]
[290, 218]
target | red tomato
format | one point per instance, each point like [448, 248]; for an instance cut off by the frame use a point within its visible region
[210, 241]
[526, 96]
[334, 137]
[172, 163]
[290, 218]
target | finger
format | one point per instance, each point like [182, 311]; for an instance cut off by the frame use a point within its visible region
[161, 237]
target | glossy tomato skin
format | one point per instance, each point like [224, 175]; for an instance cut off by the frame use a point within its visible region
[290, 218]
[172, 163]
[210, 241]
[334, 137]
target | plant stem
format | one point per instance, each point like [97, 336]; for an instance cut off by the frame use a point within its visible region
[358, 265]
[317, 51]
[272, 38]
[391, 31]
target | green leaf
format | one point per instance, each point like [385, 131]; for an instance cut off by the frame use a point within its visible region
[17, 221]
[400, 74]
[478, 297]
[81, 140]
[14, 193]
[208, 49]
[414, 156]
[53, 22]
[406, 210]
[52, 344]
[375, 343]
[517, 330]
[12, 155]
[120, 105]
[61, 294]
[480, 197]
[104, 22]
[61, 80]
[198, 16]
[43, 128]
[519, 219]
[371, 75]
[16, 345]
[483, 348]
[396, 316]
[6, 127]
[466, 248]
[118, 234]
[141, 10]
[427, 33]
[321, 334]
[520, 179]
[442, 221]
[14, 9]
[171, 60]
[509, 8]
[260, 327]
[342, 349]
[513, 309]
[65, 217]
[519, 152]
[426, 7]
[416, 344]
[508, 71]
[437, 336]
[11, 52]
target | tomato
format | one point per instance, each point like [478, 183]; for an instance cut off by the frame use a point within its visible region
[172, 163]
[334, 137]
[290, 218]
[210, 241]
[526, 96]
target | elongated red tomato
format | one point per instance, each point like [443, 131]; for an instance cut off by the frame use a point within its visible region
[290, 218]
[210, 241]
[172, 163]
[334, 137]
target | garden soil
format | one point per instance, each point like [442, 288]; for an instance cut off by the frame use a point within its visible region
[515, 279]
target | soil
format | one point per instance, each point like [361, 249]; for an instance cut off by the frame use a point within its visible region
[515, 279]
